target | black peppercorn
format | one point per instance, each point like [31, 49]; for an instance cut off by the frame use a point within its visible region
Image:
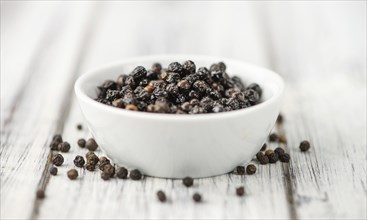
[72, 174]
[57, 138]
[273, 137]
[304, 146]
[54, 145]
[103, 158]
[81, 142]
[284, 158]
[92, 157]
[263, 148]
[251, 95]
[139, 73]
[105, 176]
[103, 163]
[161, 196]
[189, 67]
[109, 169]
[240, 191]
[91, 166]
[255, 87]
[40, 194]
[64, 147]
[262, 158]
[156, 68]
[250, 169]
[280, 119]
[196, 197]
[188, 181]
[79, 161]
[91, 144]
[53, 171]
[240, 170]
[121, 173]
[273, 157]
[58, 160]
[175, 67]
[79, 126]
[279, 150]
[135, 174]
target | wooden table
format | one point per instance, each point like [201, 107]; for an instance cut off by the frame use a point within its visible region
[318, 47]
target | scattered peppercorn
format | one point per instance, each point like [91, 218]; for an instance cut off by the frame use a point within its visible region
[56, 140]
[105, 176]
[240, 170]
[280, 119]
[72, 174]
[279, 150]
[57, 137]
[284, 158]
[54, 145]
[196, 197]
[250, 169]
[109, 169]
[92, 157]
[103, 163]
[79, 126]
[263, 148]
[53, 171]
[171, 90]
[58, 160]
[91, 166]
[79, 161]
[305, 146]
[262, 158]
[40, 194]
[273, 157]
[64, 147]
[135, 174]
[240, 191]
[188, 181]
[283, 139]
[81, 142]
[103, 158]
[91, 144]
[122, 173]
[161, 196]
[273, 137]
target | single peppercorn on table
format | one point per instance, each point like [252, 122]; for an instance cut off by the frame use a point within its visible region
[321, 54]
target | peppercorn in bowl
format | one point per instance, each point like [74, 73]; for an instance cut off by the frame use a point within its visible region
[180, 115]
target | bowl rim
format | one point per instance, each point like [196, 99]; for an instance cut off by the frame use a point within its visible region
[82, 96]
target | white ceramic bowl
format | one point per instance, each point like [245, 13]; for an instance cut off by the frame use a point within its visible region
[175, 146]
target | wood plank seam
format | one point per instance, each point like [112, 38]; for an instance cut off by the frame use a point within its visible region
[66, 101]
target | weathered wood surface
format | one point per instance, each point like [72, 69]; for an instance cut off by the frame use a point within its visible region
[319, 48]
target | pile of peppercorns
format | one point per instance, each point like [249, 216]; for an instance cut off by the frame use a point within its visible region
[179, 89]
[92, 160]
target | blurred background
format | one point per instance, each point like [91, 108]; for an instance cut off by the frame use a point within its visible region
[302, 40]
[308, 39]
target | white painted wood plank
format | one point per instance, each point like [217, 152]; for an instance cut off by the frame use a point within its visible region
[91, 197]
[25, 136]
[322, 53]
[24, 31]
[330, 180]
